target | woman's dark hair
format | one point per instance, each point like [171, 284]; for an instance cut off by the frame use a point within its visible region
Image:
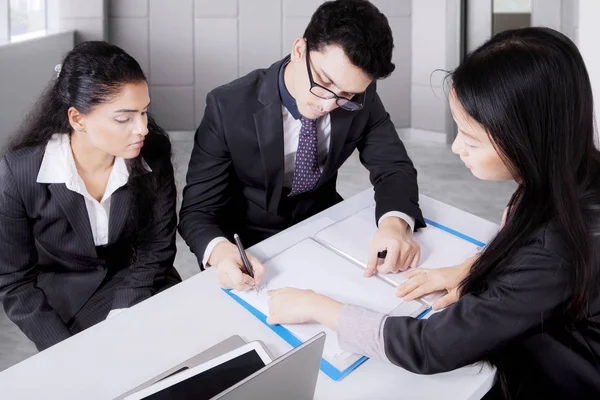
[529, 88]
[360, 29]
[92, 74]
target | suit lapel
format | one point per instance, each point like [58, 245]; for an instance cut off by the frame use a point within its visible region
[120, 207]
[73, 206]
[269, 131]
[268, 122]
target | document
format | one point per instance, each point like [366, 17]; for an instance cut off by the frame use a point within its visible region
[310, 265]
[352, 236]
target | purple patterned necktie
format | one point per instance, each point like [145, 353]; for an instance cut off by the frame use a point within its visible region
[306, 169]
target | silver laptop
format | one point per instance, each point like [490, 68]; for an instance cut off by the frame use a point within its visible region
[218, 349]
[293, 376]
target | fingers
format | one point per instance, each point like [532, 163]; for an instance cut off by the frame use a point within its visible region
[224, 281]
[243, 282]
[420, 283]
[372, 262]
[401, 257]
[230, 276]
[417, 259]
[446, 300]
[404, 257]
[409, 255]
[420, 291]
[257, 268]
[416, 272]
[410, 285]
[391, 260]
[415, 287]
[411, 262]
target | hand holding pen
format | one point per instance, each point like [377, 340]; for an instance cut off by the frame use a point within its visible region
[232, 271]
[247, 265]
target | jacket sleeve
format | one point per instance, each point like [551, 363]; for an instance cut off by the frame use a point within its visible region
[23, 302]
[521, 300]
[205, 195]
[392, 173]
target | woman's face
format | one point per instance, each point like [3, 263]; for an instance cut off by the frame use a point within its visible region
[119, 126]
[474, 147]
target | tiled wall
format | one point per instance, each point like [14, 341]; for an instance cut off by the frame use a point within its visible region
[432, 25]
[87, 18]
[189, 47]
[588, 32]
[428, 99]
[26, 68]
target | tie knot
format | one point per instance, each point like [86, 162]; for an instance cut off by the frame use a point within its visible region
[308, 123]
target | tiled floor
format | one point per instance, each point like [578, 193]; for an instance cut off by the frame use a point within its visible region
[441, 176]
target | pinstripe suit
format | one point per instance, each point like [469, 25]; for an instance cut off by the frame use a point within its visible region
[54, 282]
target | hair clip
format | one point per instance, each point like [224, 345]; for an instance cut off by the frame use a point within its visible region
[57, 69]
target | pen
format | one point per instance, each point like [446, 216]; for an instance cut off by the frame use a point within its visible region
[382, 254]
[245, 260]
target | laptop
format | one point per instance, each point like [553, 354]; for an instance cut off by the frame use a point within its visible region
[293, 376]
[227, 345]
[247, 372]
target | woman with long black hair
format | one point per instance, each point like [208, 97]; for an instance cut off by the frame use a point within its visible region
[87, 200]
[530, 302]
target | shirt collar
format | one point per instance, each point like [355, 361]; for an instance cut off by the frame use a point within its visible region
[58, 164]
[286, 98]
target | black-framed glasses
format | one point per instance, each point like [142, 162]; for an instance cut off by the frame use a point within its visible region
[326, 94]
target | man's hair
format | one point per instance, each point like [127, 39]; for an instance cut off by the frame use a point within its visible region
[360, 29]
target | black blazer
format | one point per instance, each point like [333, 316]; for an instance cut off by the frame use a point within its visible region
[518, 323]
[49, 265]
[236, 171]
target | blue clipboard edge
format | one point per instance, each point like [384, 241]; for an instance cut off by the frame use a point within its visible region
[455, 233]
[293, 341]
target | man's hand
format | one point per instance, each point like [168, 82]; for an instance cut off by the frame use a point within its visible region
[231, 273]
[394, 237]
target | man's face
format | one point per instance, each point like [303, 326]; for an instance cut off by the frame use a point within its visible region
[330, 68]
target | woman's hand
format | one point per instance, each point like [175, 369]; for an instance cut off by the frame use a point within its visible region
[297, 306]
[423, 281]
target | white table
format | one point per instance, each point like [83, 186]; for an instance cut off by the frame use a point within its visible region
[120, 353]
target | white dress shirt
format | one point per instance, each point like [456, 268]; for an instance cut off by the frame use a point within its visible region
[291, 134]
[58, 166]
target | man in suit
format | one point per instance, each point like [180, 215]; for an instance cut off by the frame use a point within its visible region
[268, 149]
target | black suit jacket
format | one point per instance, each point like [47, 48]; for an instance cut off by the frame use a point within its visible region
[49, 265]
[236, 172]
[518, 323]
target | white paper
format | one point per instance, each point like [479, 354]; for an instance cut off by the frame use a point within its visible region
[267, 249]
[309, 265]
[352, 237]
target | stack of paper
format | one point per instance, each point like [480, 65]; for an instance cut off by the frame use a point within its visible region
[352, 236]
[309, 265]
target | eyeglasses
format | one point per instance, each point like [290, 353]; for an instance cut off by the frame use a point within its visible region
[327, 94]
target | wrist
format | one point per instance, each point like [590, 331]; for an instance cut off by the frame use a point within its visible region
[466, 266]
[395, 223]
[325, 310]
[463, 269]
[221, 251]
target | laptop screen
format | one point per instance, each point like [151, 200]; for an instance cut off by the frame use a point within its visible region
[211, 382]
